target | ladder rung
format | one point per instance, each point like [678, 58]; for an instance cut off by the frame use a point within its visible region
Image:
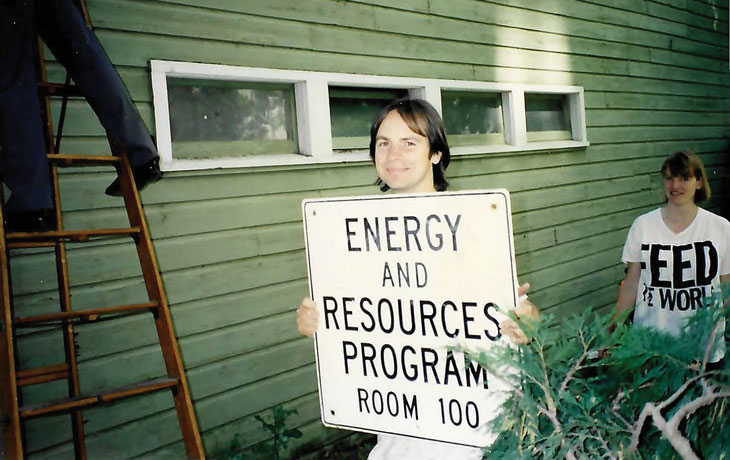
[83, 160]
[105, 397]
[21, 239]
[42, 374]
[58, 89]
[85, 315]
[31, 244]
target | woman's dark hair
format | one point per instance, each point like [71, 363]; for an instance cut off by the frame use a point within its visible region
[686, 164]
[422, 119]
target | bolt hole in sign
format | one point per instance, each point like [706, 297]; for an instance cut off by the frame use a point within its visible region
[398, 279]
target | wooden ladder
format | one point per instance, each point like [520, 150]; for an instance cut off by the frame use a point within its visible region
[13, 379]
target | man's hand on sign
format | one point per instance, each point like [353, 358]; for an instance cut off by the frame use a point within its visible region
[307, 317]
[526, 311]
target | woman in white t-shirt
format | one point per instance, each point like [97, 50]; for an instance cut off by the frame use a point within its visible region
[409, 148]
[677, 254]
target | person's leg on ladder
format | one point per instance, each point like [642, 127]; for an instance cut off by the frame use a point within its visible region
[74, 44]
[24, 165]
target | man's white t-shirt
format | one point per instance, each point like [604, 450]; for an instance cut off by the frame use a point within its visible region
[391, 447]
[678, 270]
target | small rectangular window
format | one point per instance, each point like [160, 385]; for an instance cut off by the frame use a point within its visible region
[352, 111]
[216, 116]
[548, 117]
[223, 118]
[472, 117]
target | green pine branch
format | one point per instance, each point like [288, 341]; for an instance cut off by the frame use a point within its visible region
[586, 388]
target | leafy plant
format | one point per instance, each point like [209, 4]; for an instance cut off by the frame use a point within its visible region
[233, 452]
[280, 437]
[579, 391]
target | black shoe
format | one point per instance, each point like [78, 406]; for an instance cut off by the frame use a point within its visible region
[147, 173]
[34, 220]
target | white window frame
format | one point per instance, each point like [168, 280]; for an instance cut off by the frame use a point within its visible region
[313, 114]
[576, 112]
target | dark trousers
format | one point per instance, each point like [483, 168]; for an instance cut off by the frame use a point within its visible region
[60, 24]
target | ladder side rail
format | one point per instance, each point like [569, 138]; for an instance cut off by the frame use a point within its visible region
[61, 117]
[64, 290]
[69, 335]
[45, 102]
[163, 320]
[12, 435]
[81, 5]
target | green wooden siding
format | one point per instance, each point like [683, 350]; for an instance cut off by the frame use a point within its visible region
[230, 244]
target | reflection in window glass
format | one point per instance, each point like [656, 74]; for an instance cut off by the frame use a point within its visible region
[472, 118]
[220, 118]
[352, 111]
[548, 117]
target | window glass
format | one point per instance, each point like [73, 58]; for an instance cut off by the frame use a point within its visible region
[221, 118]
[472, 117]
[352, 111]
[548, 117]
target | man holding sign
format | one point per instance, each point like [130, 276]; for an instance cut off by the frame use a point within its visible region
[398, 280]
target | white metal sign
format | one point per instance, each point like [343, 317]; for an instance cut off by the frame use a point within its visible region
[398, 279]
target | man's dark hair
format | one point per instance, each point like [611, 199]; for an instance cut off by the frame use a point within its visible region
[422, 119]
